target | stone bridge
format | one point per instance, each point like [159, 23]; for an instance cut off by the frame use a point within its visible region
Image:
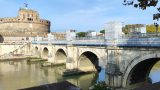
[127, 62]
[83, 58]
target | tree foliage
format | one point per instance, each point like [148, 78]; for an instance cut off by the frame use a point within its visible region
[152, 29]
[131, 28]
[149, 28]
[81, 34]
[102, 31]
[144, 4]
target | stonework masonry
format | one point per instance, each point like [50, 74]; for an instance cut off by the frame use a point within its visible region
[27, 23]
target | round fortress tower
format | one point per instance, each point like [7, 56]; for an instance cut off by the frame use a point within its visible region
[27, 23]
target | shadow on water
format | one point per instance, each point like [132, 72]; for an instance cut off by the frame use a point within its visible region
[87, 80]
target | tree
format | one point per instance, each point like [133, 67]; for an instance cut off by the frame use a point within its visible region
[81, 34]
[102, 31]
[131, 28]
[152, 29]
[144, 4]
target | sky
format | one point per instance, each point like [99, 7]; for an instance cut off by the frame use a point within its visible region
[81, 15]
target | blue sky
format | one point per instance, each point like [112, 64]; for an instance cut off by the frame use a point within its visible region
[81, 15]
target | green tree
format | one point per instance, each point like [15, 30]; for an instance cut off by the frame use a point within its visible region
[81, 34]
[102, 31]
[127, 29]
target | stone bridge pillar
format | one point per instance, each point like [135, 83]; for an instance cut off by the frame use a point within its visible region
[113, 73]
[50, 53]
[72, 58]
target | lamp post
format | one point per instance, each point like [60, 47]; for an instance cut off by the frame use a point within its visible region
[156, 25]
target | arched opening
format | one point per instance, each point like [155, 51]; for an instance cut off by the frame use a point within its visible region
[36, 51]
[155, 73]
[45, 53]
[139, 74]
[60, 56]
[88, 62]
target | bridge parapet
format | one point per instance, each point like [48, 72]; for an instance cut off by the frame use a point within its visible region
[135, 41]
[75, 42]
[123, 42]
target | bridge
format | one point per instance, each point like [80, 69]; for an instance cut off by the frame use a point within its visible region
[76, 55]
[128, 60]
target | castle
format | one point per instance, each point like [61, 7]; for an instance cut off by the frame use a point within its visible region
[26, 25]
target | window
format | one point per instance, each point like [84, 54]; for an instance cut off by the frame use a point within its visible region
[30, 19]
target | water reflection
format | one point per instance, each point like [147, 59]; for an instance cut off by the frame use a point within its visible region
[19, 74]
[16, 75]
[155, 73]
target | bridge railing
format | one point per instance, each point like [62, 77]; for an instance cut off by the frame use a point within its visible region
[50, 42]
[135, 42]
[141, 35]
[89, 42]
[141, 40]
[90, 38]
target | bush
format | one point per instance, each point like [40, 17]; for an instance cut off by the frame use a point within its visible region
[101, 86]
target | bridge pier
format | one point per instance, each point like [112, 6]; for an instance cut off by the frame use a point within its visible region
[113, 76]
[114, 80]
[72, 58]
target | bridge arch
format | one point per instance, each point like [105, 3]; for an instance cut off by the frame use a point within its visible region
[88, 61]
[36, 51]
[89, 50]
[138, 70]
[45, 53]
[60, 56]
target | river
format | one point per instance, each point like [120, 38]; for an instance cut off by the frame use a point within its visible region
[18, 74]
[155, 73]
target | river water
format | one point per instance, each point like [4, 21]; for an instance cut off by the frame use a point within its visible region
[18, 74]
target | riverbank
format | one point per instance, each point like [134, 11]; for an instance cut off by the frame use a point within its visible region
[21, 59]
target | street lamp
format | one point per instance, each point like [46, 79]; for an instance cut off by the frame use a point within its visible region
[156, 25]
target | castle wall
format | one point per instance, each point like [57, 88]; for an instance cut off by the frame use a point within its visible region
[24, 27]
